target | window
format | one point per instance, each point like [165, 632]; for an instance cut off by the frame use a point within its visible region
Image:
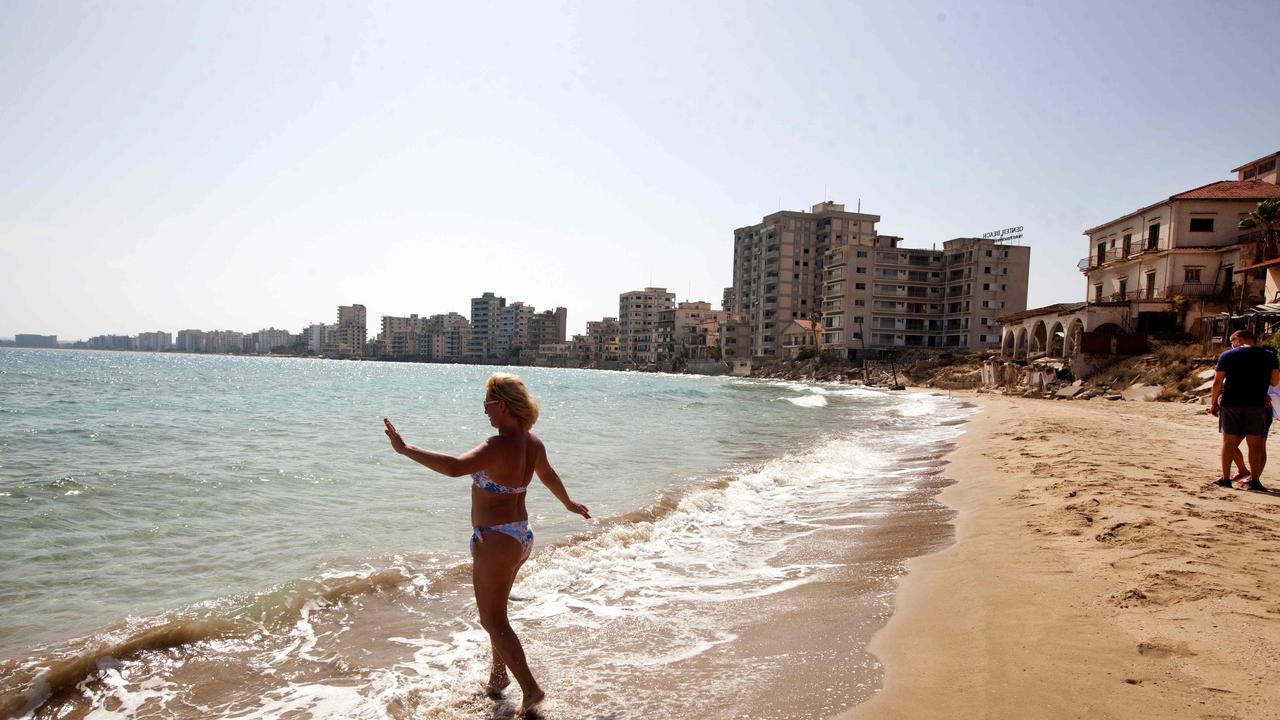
[1128, 244]
[986, 270]
[1122, 287]
[986, 321]
[1102, 253]
[862, 253]
[857, 319]
[1250, 174]
[1267, 167]
[1004, 271]
[988, 253]
[860, 270]
[986, 286]
[1201, 224]
[1191, 275]
[859, 302]
[1097, 292]
[1153, 236]
[859, 286]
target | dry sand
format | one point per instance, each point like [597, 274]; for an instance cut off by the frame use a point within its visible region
[1097, 573]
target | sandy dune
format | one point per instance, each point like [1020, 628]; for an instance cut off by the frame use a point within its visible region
[1097, 573]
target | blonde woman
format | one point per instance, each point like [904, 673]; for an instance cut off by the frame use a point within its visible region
[501, 469]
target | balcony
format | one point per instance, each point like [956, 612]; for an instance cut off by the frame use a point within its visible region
[1108, 259]
[1186, 290]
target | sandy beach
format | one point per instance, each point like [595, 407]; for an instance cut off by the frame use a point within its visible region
[1096, 573]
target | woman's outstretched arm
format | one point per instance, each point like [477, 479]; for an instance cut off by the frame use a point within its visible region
[473, 460]
[548, 476]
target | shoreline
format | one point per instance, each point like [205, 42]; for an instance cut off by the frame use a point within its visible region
[1095, 570]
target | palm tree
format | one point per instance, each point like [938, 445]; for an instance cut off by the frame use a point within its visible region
[815, 317]
[1266, 218]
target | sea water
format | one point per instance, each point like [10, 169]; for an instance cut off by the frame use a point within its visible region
[209, 536]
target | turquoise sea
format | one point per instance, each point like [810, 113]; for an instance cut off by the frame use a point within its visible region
[208, 536]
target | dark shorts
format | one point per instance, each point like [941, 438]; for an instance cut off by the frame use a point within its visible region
[1244, 421]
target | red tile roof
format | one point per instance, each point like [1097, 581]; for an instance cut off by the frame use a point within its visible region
[1231, 190]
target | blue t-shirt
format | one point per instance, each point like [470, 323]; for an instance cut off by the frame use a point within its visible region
[1248, 375]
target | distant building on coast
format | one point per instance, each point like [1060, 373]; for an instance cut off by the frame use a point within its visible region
[549, 327]
[266, 340]
[35, 341]
[158, 341]
[689, 331]
[1161, 268]
[111, 342]
[486, 316]
[352, 332]
[831, 267]
[317, 336]
[638, 312]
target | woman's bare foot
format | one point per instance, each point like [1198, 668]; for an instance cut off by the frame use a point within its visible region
[1240, 476]
[498, 681]
[529, 708]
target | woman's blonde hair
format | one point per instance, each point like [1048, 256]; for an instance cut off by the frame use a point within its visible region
[511, 390]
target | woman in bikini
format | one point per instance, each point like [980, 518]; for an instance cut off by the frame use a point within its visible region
[501, 469]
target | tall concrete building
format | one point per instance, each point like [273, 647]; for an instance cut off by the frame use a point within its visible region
[318, 336]
[549, 327]
[921, 298]
[158, 341]
[486, 314]
[454, 333]
[638, 312]
[35, 341]
[190, 341]
[513, 332]
[602, 339]
[352, 330]
[685, 327]
[778, 269]
[866, 290]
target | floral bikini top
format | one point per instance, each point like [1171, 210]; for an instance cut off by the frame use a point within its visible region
[482, 481]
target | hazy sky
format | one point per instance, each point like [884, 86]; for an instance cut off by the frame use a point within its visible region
[219, 165]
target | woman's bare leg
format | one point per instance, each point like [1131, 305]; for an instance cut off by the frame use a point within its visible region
[494, 569]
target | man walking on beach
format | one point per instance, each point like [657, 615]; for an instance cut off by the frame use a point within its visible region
[1239, 401]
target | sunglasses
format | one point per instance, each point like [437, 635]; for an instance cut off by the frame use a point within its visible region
[487, 403]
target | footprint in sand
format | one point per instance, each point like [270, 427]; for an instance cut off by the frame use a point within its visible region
[1158, 648]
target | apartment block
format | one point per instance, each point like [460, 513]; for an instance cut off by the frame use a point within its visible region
[486, 315]
[778, 270]
[922, 298]
[513, 338]
[549, 327]
[111, 342]
[35, 341]
[317, 336]
[638, 312]
[266, 340]
[450, 333]
[602, 339]
[190, 341]
[684, 331]
[158, 341]
[404, 336]
[352, 331]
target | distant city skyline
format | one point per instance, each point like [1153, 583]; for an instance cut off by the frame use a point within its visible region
[173, 166]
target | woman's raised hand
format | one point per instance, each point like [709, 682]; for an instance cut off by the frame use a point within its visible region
[397, 442]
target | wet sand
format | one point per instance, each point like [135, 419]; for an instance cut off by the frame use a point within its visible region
[1097, 573]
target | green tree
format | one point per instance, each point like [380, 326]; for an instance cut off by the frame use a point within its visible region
[1266, 219]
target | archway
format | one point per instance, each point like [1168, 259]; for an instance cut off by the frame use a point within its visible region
[1007, 347]
[1074, 332]
[1020, 345]
[1039, 338]
[1057, 341]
